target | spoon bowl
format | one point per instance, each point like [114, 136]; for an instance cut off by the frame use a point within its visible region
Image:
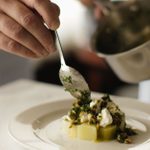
[74, 82]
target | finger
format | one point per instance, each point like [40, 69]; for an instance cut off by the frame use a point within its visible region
[12, 46]
[15, 31]
[30, 22]
[49, 11]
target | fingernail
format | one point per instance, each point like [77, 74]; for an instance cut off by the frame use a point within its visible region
[55, 25]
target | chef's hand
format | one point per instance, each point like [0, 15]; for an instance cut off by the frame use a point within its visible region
[22, 30]
[98, 8]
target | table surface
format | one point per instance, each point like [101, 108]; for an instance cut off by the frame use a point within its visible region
[20, 95]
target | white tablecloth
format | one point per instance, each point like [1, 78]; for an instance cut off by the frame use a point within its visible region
[20, 95]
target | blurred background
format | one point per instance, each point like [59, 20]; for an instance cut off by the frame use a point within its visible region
[77, 28]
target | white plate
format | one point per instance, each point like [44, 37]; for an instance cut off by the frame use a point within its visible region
[39, 127]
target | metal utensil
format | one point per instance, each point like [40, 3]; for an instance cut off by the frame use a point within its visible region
[71, 79]
[125, 44]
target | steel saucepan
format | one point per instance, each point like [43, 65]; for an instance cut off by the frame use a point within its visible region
[123, 39]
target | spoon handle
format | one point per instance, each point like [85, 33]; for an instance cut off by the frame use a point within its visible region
[60, 49]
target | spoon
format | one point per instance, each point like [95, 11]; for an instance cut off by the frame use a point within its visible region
[70, 78]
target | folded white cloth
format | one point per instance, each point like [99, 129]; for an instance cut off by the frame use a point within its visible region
[144, 91]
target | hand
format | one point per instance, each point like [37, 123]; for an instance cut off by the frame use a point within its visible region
[88, 3]
[22, 30]
[98, 8]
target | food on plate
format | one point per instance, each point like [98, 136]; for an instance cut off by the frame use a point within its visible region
[97, 120]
